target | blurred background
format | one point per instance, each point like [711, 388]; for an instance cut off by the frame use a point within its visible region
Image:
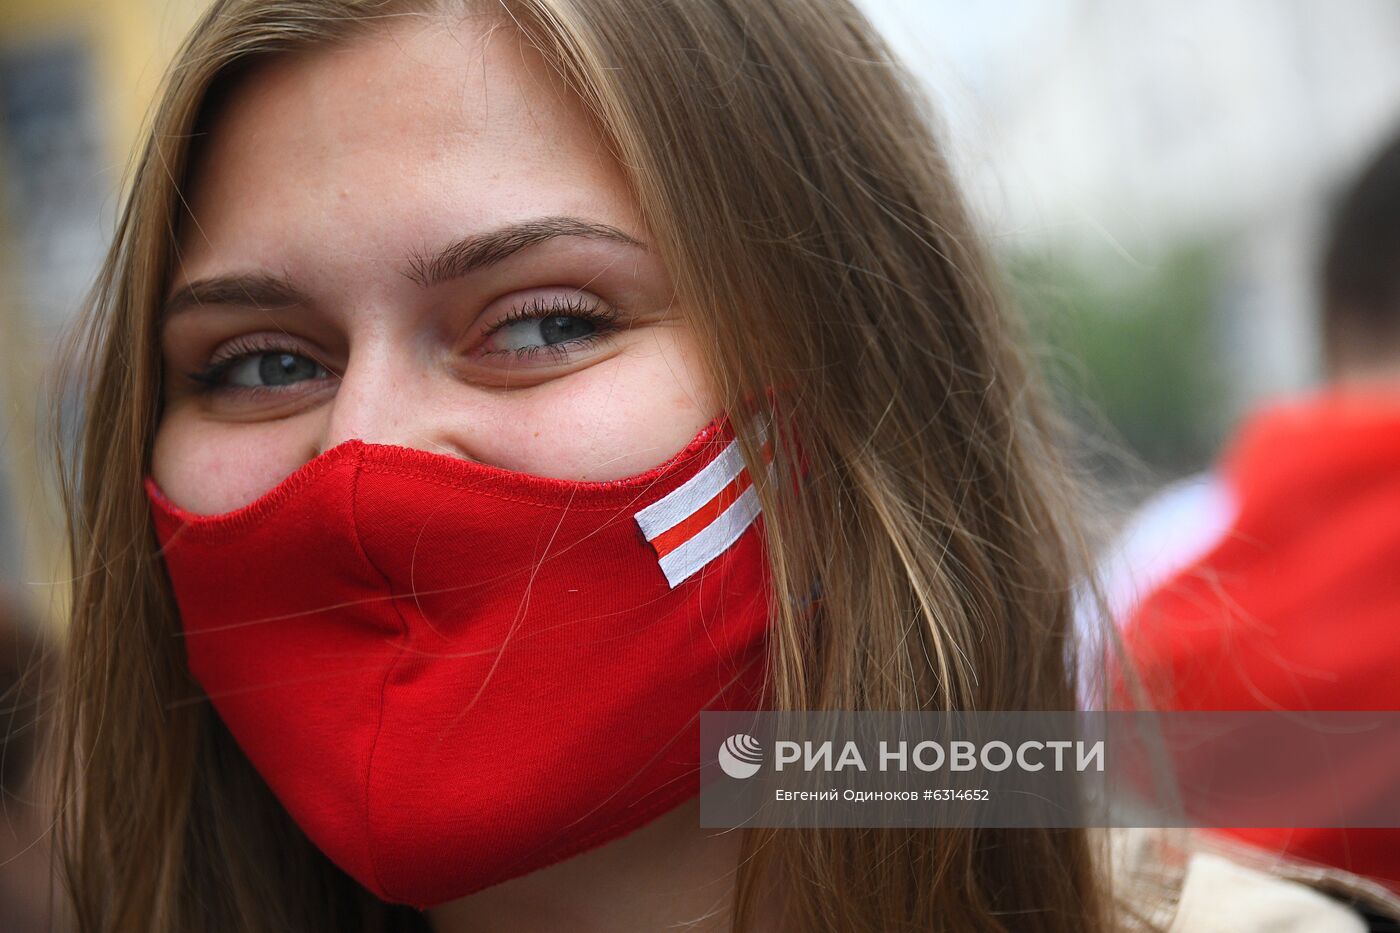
[1153, 174]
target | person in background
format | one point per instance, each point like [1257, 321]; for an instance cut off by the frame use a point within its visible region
[1282, 589]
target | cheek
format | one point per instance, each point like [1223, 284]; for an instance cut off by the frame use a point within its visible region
[207, 468]
[613, 420]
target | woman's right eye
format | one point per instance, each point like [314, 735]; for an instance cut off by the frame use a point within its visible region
[259, 370]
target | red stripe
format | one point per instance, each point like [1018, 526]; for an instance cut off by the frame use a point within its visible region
[691, 525]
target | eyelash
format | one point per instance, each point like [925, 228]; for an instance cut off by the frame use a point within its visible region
[602, 317]
[210, 378]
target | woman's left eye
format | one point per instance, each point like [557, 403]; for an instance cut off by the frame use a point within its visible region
[555, 326]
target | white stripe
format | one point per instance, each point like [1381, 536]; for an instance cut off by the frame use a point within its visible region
[711, 541]
[682, 502]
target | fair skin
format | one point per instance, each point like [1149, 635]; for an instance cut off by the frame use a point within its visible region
[327, 172]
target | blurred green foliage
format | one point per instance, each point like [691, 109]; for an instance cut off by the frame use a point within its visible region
[1136, 347]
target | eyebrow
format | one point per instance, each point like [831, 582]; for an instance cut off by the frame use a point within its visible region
[457, 260]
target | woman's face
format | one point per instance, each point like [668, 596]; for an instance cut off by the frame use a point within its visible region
[416, 239]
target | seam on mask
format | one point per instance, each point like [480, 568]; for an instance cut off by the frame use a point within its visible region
[388, 672]
[266, 504]
[592, 496]
[638, 494]
[396, 456]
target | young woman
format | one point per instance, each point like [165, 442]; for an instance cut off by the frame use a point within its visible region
[476, 392]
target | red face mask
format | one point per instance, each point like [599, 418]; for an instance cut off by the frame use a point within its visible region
[451, 674]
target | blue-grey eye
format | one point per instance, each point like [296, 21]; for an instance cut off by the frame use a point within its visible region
[542, 332]
[266, 370]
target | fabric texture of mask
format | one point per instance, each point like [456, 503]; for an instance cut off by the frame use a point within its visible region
[452, 674]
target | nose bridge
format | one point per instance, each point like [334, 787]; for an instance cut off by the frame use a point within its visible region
[389, 394]
[377, 398]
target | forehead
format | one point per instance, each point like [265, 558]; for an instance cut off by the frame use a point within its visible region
[417, 131]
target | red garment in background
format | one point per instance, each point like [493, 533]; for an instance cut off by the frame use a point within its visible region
[1298, 605]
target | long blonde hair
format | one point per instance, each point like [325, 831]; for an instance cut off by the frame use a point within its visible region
[788, 169]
